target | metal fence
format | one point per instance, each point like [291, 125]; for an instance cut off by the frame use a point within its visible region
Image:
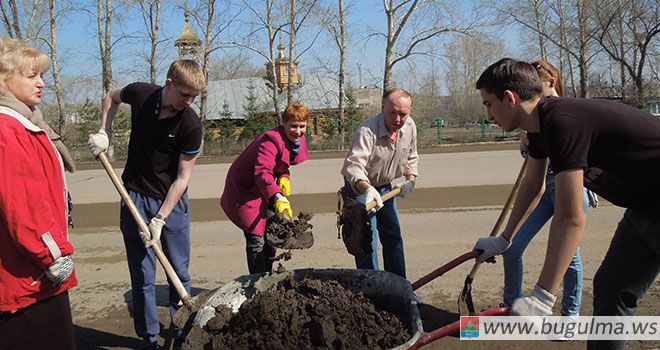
[232, 141]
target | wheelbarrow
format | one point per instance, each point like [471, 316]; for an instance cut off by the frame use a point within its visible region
[396, 291]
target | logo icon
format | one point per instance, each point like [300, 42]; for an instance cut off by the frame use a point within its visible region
[469, 327]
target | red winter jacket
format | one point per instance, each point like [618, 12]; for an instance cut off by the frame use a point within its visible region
[32, 213]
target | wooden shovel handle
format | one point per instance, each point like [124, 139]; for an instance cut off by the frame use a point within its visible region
[505, 210]
[169, 270]
[386, 196]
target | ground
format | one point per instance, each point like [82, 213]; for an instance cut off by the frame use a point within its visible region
[439, 224]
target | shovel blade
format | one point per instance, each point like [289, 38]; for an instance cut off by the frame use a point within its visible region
[185, 315]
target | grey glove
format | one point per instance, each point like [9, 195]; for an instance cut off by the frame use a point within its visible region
[406, 187]
[60, 270]
[153, 236]
[539, 303]
[98, 142]
[373, 194]
[491, 246]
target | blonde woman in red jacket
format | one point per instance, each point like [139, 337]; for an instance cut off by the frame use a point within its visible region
[258, 180]
[36, 269]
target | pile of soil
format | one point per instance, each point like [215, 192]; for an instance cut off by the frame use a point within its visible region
[294, 234]
[305, 314]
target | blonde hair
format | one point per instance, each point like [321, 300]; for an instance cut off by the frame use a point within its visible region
[17, 57]
[187, 73]
[295, 111]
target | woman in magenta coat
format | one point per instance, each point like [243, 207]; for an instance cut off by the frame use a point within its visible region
[258, 180]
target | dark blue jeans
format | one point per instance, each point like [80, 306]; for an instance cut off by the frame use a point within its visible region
[175, 241]
[630, 266]
[384, 227]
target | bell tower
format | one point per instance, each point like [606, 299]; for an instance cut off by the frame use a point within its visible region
[188, 43]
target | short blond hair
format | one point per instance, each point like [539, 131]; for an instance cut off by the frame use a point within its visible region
[295, 111]
[17, 56]
[187, 73]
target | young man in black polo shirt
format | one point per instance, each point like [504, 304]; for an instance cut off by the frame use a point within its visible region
[611, 148]
[166, 136]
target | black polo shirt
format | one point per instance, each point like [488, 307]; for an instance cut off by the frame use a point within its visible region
[618, 147]
[155, 145]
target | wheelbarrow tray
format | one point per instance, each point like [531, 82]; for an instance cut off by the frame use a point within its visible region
[395, 292]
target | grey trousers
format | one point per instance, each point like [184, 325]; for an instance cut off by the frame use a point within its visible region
[630, 266]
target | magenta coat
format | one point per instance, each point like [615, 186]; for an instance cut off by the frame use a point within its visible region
[251, 179]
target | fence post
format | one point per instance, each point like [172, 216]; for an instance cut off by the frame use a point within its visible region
[222, 141]
[308, 137]
[483, 127]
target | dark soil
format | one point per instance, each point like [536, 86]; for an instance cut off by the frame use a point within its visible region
[295, 234]
[305, 314]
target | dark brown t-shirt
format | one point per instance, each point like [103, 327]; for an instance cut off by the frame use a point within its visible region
[617, 145]
[156, 144]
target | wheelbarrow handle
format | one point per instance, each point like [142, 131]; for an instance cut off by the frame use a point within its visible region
[453, 328]
[444, 268]
[142, 226]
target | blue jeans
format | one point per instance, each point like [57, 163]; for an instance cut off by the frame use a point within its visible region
[513, 264]
[175, 241]
[384, 227]
[631, 265]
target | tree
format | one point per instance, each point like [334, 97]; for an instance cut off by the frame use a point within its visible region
[31, 12]
[104, 12]
[233, 65]
[465, 59]
[255, 122]
[427, 20]
[150, 11]
[207, 20]
[567, 25]
[272, 25]
[59, 94]
[626, 29]
[334, 22]
[294, 25]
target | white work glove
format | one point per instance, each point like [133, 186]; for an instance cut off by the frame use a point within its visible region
[406, 187]
[98, 142]
[155, 228]
[370, 195]
[60, 270]
[539, 303]
[491, 246]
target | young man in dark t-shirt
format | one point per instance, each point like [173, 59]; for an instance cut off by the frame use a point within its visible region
[166, 136]
[610, 148]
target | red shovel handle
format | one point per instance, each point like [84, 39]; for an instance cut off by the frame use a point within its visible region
[453, 328]
[444, 268]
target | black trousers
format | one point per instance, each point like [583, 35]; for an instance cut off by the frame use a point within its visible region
[631, 265]
[46, 324]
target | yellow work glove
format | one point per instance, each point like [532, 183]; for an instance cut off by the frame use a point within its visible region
[283, 207]
[285, 185]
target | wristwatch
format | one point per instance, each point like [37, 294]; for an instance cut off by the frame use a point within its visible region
[160, 216]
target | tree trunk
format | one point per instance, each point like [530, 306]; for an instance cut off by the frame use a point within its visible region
[271, 54]
[292, 50]
[342, 65]
[539, 28]
[56, 74]
[104, 26]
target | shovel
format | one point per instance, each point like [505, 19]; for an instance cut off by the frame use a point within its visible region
[465, 299]
[353, 224]
[186, 299]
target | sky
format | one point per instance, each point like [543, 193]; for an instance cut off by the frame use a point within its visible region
[78, 44]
